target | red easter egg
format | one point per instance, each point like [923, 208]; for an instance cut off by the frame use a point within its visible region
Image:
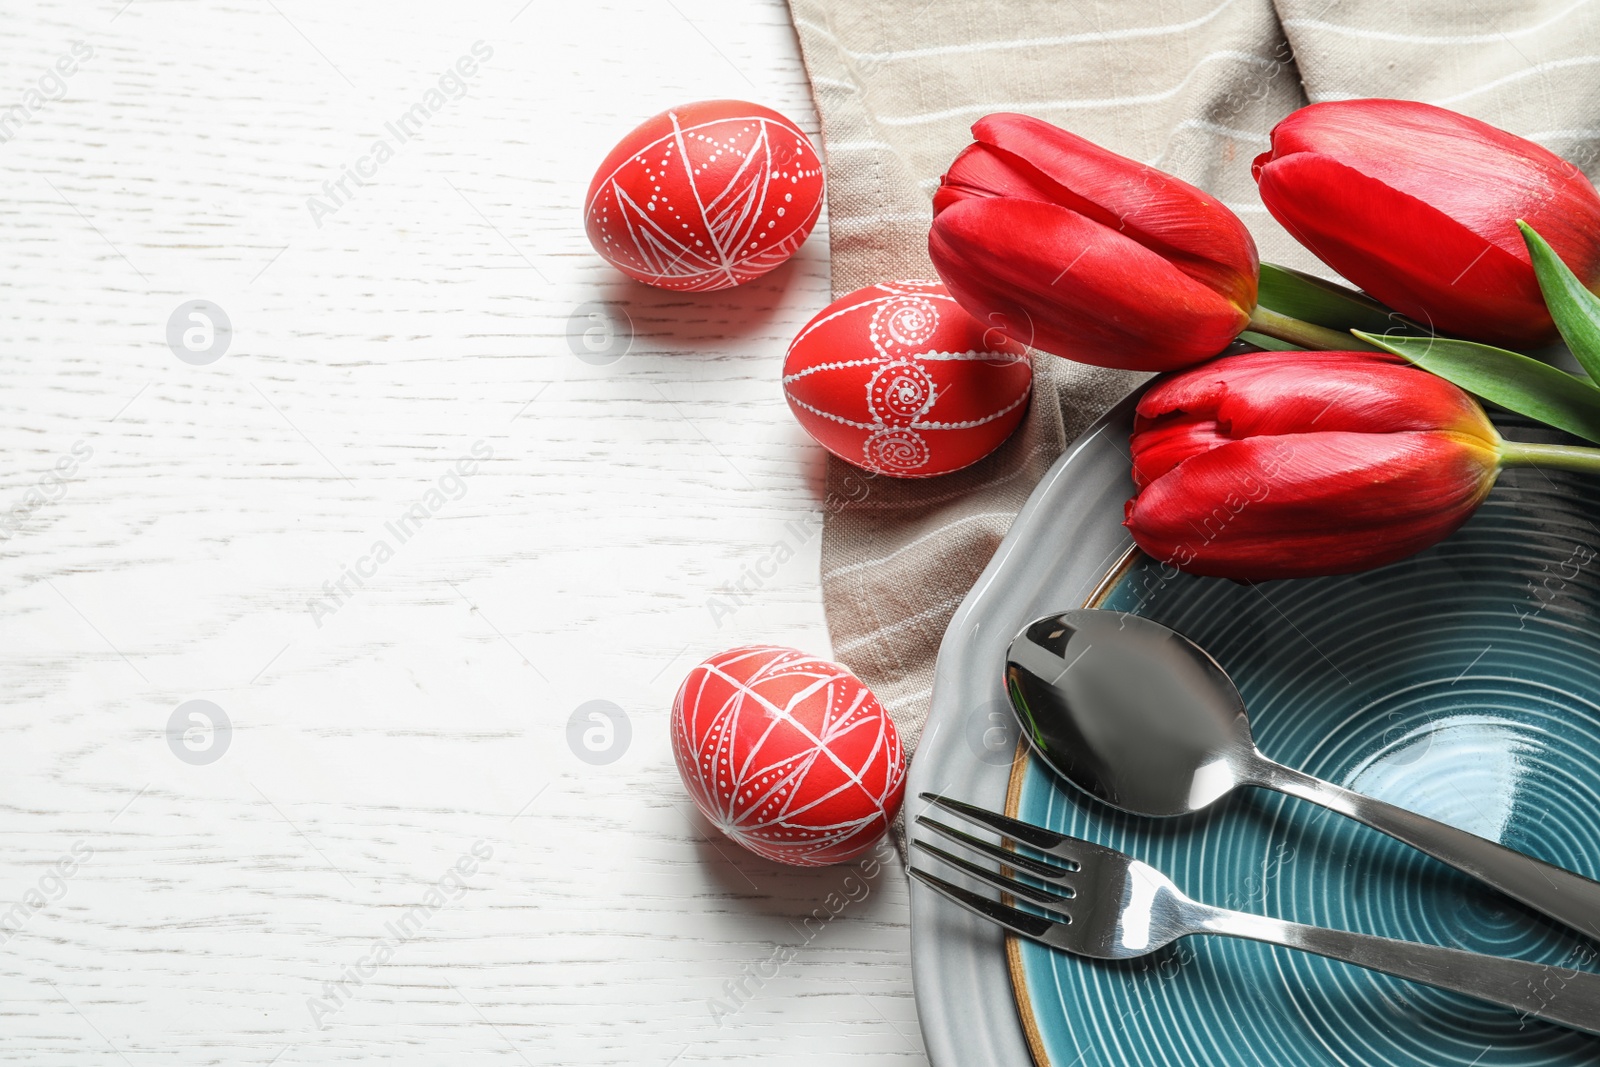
[898, 380]
[705, 196]
[790, 755]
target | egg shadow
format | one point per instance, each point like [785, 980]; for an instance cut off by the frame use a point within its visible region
[797, 903]
[700, 325]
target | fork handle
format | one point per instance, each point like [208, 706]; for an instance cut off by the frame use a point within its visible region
[1561, 995]
[1562, 895]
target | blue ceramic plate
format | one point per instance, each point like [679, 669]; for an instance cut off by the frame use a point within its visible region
[1463, 683]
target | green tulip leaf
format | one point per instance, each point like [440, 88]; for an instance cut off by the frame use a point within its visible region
[1310, 299]
[1575, 309]
[1509, 379]
[1271, 344]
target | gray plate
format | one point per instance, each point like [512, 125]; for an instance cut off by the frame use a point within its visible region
[1062, 544]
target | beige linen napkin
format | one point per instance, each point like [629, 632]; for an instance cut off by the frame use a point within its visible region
[1191, 86]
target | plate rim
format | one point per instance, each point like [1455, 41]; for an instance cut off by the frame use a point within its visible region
[957, 1031]
[1020, 764]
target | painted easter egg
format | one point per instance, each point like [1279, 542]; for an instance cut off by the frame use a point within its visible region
[705, 196]
[789, 755]
[897, 379]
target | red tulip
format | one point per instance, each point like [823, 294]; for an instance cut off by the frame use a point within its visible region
[1287, 465]
[1419, 206]
[1078, 251]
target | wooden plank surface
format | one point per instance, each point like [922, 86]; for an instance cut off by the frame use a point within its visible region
[397, 857]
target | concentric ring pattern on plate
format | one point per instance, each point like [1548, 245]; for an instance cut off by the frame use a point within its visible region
[1463, 683]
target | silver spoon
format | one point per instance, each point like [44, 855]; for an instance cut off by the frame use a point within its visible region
[1140, 717]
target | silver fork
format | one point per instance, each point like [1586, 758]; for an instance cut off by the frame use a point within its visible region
[1107, 905]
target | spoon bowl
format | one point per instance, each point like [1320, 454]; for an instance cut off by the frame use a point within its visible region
[1130, 712]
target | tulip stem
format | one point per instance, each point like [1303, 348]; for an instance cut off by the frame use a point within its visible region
[1305, 334]
[1561, 457]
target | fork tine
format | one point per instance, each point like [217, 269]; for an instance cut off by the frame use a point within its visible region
[1033, 927]
[1035, 837]
[1045, 898]
[1049, 872]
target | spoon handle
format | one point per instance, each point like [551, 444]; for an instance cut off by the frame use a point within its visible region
[1562, 895]
[1555, 994]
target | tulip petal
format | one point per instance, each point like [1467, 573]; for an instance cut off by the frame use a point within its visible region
[1167, 442]
[1417, 205]
[1311, 504]
[1051, 278]
[1167, 215]
[1268, 393]
[1481, 176]
[1406, 253]
[980, 171]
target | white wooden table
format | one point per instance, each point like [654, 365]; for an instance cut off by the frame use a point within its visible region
[393, 855]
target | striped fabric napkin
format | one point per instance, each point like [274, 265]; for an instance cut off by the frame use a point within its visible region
[1191, 86]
